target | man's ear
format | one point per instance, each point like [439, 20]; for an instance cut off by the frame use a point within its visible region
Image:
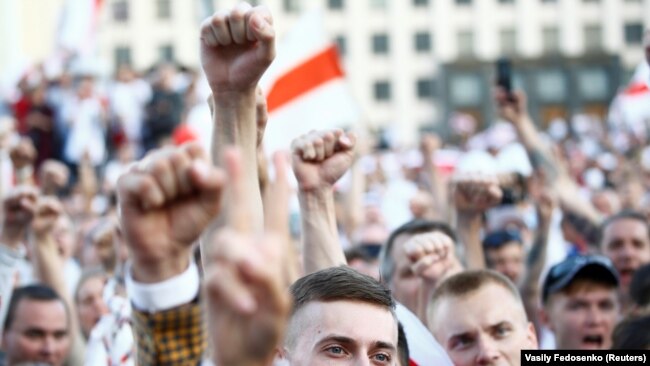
[281, 357]
[544, 317]
[532, 335]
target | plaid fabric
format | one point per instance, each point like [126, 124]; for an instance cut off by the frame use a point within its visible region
[172, 337]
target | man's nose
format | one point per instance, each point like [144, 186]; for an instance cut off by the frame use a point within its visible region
[595, 317]
[48, 346]
[362, 360]
[488, 351]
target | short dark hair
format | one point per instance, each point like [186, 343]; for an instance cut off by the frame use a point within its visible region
[37, 292]
[622, 215]
[413, 227]
[340, 283]
[468, 282]
[640, 286]
[632, 333]
[402, 346]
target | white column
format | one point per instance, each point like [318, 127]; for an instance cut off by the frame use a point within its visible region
[571, 28]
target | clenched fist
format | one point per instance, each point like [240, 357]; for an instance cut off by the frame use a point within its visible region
[320, 158]
[237, 46]
[165, 203]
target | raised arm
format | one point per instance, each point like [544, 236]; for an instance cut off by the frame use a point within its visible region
[473, 195]
[165, 202]
[545, 206]
[433, 259]
[17, 212]
[319, 160]
[429, 145]
[248, 298]
[48, 263]
[514, 109]
[237, 46]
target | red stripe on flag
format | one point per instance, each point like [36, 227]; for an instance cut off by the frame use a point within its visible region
[310, 74]
[636, 89]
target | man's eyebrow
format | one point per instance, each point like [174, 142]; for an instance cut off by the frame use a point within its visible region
[348, 341]
[337, 338]
[500, 324]
[385, 345]
[460, 335]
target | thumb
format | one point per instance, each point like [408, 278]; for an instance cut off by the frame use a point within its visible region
[347, 142]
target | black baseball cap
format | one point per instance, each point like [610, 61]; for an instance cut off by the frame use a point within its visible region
[596, 267]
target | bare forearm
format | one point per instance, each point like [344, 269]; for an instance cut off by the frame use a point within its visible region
[536, 260]
[354, 201]
[469, 230]
[436, 187]
[235, 125]
[571, 200]
[49, 265]
[321, 247]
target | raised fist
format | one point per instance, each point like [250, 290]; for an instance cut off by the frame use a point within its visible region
[165, 203]
[432, 256]
[476, 193]
[237, 46]
[320, 158]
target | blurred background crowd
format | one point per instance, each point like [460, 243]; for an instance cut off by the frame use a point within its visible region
[73, 132]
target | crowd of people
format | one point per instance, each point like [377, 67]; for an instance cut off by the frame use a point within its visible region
[122, 243]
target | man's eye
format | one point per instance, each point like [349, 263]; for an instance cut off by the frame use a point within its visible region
[382, 357]
[336, 350]
[462, 342]
[502, 331]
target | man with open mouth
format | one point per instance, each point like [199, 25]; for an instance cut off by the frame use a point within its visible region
[580, 302]
[625, 239]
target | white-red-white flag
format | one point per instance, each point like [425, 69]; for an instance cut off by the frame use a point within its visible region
[630, 109]
[78, 26]
[305, 85]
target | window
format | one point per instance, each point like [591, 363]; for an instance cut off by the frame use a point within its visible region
[291, 6]
[463, 2]
[422, 41]
[551, 85]
[465, 89]
[508, 39]
[551, 40]
[122, 56]
[121, 11]
[465, 43]
[335, 4]
[420, 2]
[378, 4]
[593, 38]
[633, 33]
[380, 44]
[425, 88]
[507, 1]
[593, 84]
[341, 44]
[163, 9]
[166, 53]
[382, 90]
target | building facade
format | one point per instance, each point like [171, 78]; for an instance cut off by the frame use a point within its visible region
[413, 63]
